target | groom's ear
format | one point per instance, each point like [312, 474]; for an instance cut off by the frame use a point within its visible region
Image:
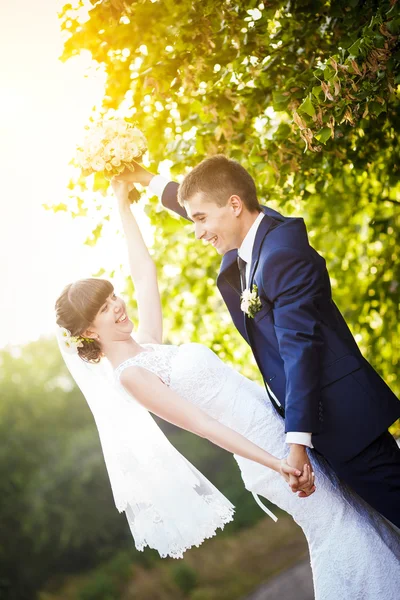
[236, 204]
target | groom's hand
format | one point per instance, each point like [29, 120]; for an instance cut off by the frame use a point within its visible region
[298, 458]
[139, 175]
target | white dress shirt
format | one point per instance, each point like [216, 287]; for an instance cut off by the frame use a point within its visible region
[246, 248]
[157, 186]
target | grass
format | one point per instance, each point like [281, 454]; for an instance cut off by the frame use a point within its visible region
[223, 568]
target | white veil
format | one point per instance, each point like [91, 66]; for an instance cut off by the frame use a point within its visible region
[169, 504]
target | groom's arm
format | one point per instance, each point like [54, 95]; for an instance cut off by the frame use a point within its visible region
[167, 191]
[293, 284]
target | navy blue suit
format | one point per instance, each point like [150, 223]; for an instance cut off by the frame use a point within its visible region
[307, 354]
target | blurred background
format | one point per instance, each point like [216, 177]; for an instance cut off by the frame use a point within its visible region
[305, 94]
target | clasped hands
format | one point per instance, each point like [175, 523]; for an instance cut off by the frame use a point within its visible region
[304, 483]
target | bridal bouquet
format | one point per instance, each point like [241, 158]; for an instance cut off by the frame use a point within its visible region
[109, 147]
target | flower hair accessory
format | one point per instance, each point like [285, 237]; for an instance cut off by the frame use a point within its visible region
[70, 343]
[250, 302]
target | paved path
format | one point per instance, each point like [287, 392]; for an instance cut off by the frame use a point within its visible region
[293, 584]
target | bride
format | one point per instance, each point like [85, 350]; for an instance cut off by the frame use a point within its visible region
[169, 505]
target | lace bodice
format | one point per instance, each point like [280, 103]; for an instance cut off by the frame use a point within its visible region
[156, 358]
[197, 374]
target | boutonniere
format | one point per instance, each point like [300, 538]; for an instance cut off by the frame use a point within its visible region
[250, 302]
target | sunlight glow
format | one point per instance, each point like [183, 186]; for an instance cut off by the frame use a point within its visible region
[44, 105]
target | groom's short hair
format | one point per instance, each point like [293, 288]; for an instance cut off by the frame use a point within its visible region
[218, 178]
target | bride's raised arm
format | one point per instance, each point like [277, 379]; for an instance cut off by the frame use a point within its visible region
[143, 270]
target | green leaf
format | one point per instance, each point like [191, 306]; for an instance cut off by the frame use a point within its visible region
[283, 131]
[255, 151]
[100, 183]
[355, 48]
[254, 155]
[307, 106]
[376, 108]
[317, 91]
[329, 72]
[318, 73]
[96, 233]
[323, 135]
[393, 26]
[60, 207]
[279, 100]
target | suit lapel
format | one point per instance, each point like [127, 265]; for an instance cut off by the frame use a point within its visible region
[266, 224]
[228, 282]
[229, 271]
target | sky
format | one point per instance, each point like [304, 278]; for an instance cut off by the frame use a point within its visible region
[44, 105]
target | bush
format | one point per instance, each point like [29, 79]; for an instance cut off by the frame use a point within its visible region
[119, 567]
[185, 577]
[105, 582]
[100, 587]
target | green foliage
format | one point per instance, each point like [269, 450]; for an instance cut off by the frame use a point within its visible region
[55, 493]
[306, 96]
[120, 566]
[107, 581]
[57, 513]
[100, 587]
[185, 577]
[226, 568]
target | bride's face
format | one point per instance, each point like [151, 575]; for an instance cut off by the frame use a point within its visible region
[217, 225]
[112, 322]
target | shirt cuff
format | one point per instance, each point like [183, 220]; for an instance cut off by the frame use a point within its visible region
[157, 185]
[296, 437]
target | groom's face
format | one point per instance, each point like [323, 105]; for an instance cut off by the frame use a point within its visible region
[217, 225]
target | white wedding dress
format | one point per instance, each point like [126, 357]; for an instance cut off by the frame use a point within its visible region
[355, 553]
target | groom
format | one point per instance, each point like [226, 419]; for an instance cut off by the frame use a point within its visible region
[316, 378]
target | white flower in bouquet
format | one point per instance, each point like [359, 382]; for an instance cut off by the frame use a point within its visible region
[98, 164]
[116, 161]
[109, 146]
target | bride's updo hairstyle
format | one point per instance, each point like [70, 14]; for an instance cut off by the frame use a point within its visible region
[76, 309]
